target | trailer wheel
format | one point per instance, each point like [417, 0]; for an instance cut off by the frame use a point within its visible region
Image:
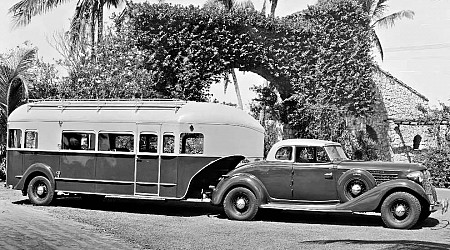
[400, 210]
[40, 191]
[353, 183]
[240, 204]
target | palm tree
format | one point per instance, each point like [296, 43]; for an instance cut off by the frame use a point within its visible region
[273, 6]
[87, 12]
[13, 79]
[376, 9]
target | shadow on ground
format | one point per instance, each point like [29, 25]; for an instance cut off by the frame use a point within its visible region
[333, 218]
[393, 244]
[192, 209]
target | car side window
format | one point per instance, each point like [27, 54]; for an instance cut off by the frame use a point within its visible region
[321, 155]
[284, 154]
[303, 154]
[311, 155]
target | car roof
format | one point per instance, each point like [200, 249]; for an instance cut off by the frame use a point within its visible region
[305, 142]
[298, 142]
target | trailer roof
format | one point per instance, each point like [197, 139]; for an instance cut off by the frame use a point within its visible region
[138, 111]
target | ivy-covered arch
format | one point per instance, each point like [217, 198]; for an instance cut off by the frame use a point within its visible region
[322, 52]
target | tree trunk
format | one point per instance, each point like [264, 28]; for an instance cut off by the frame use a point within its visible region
[262, 112]
[264, 8]
[273, 7]
[92, 24]
[100, 21]
[236, 88]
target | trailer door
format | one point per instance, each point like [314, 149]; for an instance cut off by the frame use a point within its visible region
[147, 174]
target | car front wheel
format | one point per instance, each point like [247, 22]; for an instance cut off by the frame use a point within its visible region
[240, 204]
[40, 191]
[400, 210]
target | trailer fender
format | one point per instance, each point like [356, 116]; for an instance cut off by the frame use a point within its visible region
[32, 171]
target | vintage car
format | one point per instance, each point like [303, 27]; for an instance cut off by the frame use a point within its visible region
[316, 175]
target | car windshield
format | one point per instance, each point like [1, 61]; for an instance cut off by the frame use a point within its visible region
[336, 153]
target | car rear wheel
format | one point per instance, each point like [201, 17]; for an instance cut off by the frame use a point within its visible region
[40, 191]
[400, 210]
[240, 204]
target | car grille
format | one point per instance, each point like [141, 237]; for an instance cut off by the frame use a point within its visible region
[382, 176]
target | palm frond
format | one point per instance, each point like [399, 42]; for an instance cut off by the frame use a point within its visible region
[389, 21]
[16, 95]
[25, 60]
[24, 10]
[378, 9]
[113, 3]
[79, 22]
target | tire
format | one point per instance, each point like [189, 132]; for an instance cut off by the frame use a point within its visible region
[425, 213]
[353, 183]
[240, 204]
[40, 191]
[401, 210]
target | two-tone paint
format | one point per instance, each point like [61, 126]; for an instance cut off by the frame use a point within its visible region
[290, 185]
[229, 136]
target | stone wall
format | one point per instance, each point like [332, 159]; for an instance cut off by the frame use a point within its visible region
[395, 125]
[399, 102]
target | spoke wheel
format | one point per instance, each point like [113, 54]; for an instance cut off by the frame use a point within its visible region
[400, 210]
[40, 191]
[353, 183]
[240, 204]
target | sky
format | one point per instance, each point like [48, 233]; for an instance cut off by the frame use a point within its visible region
[417, 51]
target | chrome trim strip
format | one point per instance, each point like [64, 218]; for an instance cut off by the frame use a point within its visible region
[94, 181]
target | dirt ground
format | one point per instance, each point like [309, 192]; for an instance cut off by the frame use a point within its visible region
[71, 223]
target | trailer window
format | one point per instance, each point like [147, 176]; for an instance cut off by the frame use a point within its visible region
[148, 143]
[78, 141]
[168, 144]
[31, 139]
[15, 138]
[116, 142]
[191, 143]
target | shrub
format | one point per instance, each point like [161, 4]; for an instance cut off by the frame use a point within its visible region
[2, 168]
[437, 160]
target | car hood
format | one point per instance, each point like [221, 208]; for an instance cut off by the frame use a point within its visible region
[378, 165]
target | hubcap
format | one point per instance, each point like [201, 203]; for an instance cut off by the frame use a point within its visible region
[240, 203]
[400, 210]
[40, 190]
[356, 189]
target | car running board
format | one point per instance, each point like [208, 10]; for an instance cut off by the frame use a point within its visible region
[297, 207]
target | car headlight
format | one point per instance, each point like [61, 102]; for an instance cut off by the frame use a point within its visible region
[416, 176]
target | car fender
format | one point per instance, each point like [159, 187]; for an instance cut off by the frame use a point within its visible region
[35, 170]
[239, 180]
[372, 199]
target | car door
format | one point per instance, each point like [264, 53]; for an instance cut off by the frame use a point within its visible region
[313, 175]
[277, 175]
